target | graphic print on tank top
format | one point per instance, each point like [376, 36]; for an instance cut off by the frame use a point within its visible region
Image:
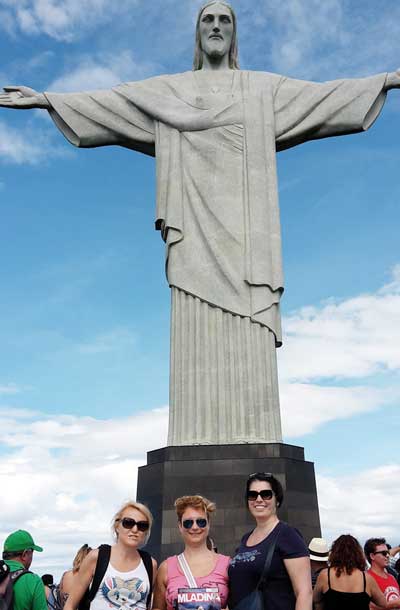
[246, 557]
[125, 594]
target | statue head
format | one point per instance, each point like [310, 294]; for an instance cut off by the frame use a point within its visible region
[199, 44]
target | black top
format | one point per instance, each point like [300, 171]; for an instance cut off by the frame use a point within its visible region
[246, 567]
[339, 600]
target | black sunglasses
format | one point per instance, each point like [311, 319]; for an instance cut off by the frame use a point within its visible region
[384, 553]
[188, 523]
[129, 523]
[266, 494]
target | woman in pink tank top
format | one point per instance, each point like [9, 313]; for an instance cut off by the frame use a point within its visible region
[198, 567]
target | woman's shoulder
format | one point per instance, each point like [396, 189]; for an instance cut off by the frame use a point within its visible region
[223, 560]
[290, 541]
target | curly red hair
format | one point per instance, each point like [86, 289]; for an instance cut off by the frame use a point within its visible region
[346, 555]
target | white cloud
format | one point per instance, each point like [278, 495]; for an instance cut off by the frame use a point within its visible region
[353, 338]
[30, 146]
[334, 356]
[306, 407]
[102, 72]
[61, 20]
[365, 504]
[9, 388]
[66, 475]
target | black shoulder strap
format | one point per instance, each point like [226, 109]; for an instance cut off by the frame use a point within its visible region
[148, 564]
[103, 559]
[17, 574]
[329, 578]
[365, 582]
[267, 564]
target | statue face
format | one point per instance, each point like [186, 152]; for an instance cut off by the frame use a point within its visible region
[216, 30]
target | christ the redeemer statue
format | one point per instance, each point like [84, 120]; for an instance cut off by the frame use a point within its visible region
[215, 131]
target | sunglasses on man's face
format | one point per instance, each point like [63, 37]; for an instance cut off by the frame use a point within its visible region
[188, 523]
[384, 553]
[129, 523]
[266, 494]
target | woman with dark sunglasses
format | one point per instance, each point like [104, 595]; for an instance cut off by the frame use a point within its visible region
[198, 567]
[345, 585]
[288, 583]
[121, 575]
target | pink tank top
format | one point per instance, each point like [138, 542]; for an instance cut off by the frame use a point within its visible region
[176, 580]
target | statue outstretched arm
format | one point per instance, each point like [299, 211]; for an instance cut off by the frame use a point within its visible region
[22, 98]
[308, 111]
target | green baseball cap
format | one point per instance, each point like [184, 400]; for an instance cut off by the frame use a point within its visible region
[20, 541]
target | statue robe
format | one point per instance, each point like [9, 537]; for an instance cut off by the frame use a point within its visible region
[217, 210]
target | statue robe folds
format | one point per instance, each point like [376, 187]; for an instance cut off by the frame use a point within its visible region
[217, 210]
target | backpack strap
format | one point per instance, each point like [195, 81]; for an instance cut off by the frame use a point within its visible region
[148, 564]
[14, 576]
[103, 559]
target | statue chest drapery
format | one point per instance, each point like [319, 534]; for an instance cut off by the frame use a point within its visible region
[217, 202]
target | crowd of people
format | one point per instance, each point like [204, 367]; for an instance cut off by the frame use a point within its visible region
[272, 567]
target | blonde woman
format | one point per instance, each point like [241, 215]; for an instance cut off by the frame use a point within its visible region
[121, 574]
[69, 577]
[198, 566]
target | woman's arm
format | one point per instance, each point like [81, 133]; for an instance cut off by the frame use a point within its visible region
[300, 576]
[82, 580]
[319, 589]
[159, 602]
[155, 570]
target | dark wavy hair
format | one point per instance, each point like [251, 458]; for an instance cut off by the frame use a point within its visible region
[268, 478]
[346, 555]
[370, 546]
[233, 51]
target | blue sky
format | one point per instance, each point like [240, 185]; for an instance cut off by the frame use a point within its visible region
[84, 313]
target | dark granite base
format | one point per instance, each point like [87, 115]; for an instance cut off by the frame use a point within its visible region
[219, 472]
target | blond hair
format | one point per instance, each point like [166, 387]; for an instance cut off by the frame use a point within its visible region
[233, 51]
[79, 557]
[197, 502]
[142, 508]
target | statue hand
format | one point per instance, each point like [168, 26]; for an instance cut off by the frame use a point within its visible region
[22, 97]
[393, 80]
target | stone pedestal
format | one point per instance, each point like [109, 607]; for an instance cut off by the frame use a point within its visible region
[219, 472]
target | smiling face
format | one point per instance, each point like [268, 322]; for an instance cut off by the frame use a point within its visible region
[262, 509]
[216, 31]
[195, 535]
[131, 537]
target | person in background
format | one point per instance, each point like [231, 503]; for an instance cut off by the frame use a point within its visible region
[208, 568]
[125, 581]
[47, 580]
[288, 585]
[28, 589]
[4, 579]
[319, 555]
[377, 554]
[391, 567]
[345, 585]
[69, 577]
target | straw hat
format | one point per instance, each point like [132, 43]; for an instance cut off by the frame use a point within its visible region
[319, 550]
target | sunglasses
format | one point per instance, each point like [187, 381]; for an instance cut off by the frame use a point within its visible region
[254, 475]
[129, 523]
[384, 553]
[266, 494]
[188, 523]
